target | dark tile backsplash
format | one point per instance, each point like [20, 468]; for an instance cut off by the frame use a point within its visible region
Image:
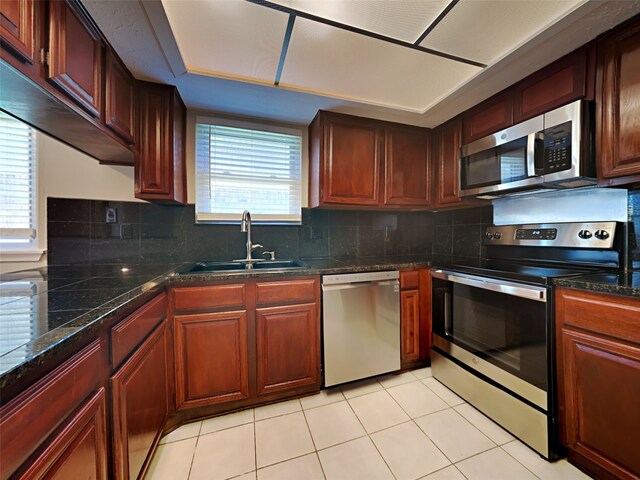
[78, 233]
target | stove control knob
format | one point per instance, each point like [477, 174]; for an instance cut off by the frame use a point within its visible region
[497, 235]
[489, 236]
[602, 234]
[584, 234]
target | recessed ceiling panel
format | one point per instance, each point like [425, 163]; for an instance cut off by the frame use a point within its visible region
[230, 38]
[401, 19]
[486, 30]
[335, 62]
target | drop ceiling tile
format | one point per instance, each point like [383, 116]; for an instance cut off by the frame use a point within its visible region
[486, 30]
[230, 38]
[335, 62]
[401, 19]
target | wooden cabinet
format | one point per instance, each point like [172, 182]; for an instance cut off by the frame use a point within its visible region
[447, 143]
[345, 160]
[239, 344]
[415, 317]
[287, 335]
[119, 112]
[357, 161]
[490, 116]
[160, 169]
[17, 28]
[407, 166]
[618, 103]
[211, 364]
[598, 351]
[35, 414]
[78, 449]
[75, 55]
[140, 404]
[557, 84]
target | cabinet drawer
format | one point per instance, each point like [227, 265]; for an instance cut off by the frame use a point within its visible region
[409, 280]
[128, 334]
[287, 292]
[30, 418]
[611, 315]
[205, 298]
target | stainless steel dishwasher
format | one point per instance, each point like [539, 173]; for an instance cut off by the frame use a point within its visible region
[361, 325]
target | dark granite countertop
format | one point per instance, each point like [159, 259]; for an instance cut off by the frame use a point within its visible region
[45, 310]
[627, 284]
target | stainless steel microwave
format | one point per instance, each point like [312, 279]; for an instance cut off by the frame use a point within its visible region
[552, 150]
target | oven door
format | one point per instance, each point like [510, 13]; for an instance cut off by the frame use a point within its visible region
[496, 328]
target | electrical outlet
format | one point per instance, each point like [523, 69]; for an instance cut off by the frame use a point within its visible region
[111, 215]
[315, 233]
[126, 230]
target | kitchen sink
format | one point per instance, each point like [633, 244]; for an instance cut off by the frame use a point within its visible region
[235, 266]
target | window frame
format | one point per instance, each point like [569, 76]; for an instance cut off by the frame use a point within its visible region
[286, 129]
[32, 250]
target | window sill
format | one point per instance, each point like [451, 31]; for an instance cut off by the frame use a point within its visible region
[20, 255]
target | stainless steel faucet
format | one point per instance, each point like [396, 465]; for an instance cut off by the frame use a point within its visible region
[245, 226]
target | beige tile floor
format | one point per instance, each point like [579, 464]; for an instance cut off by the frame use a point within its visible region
[402, 427]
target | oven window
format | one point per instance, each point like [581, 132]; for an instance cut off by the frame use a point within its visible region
[507, 331]
[503, 164]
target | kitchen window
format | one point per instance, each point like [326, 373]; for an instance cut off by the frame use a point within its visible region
[18, 190]
[243, 166]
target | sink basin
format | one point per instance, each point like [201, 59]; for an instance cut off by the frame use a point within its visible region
[269, 265]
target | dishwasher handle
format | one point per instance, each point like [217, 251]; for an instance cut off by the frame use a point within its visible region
[366, 284]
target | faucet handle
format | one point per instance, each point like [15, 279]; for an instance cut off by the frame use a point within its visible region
[272, 253]
[256, 245]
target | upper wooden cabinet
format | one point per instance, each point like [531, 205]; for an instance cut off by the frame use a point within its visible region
[363, 162]
[75, 55]
[618, 103]
[557, 84]
[160, 161]
[490, 116]
[120, 99]
[598, 352]
[447, 143]
[407, 166]
[17, 27]
[345, 160]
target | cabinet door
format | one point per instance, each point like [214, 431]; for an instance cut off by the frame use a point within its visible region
[17, 28]
[490, 116]
[140, 404]
[407, 167]
[557, 84]
[288, 340]
[410, 325]
[79, 449]
[601, 392]
[351, 161]
[160, 164]
[75, 55]
[211, 358]
[119, 99]
[448, 159]
[618, 92]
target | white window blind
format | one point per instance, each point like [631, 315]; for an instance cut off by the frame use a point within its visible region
[251, 169]
[17, 183]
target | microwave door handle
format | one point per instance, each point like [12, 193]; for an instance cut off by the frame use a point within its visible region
[535, 154]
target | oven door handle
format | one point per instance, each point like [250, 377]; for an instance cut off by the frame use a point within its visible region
[538, 294]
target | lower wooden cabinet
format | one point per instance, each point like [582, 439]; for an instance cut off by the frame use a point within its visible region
[210, 358]
[599, 381]
[288, 338]
[78, 449]
[415, 317]
[140, 404]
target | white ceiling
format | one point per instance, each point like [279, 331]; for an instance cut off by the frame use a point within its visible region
[224, 54]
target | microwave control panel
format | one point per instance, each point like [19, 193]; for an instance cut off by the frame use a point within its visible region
[557, 148]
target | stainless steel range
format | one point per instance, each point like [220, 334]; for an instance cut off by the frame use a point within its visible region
[493, 321]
